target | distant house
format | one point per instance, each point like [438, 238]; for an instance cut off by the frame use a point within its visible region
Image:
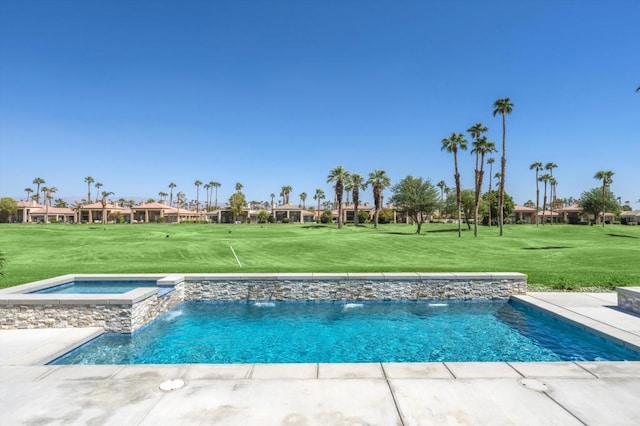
[30, 211]
[522, 214]
[92, 213]
[630, 218]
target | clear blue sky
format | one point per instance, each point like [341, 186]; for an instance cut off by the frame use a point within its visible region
[138, 94]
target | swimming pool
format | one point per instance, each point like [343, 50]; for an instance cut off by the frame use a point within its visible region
[315, 332]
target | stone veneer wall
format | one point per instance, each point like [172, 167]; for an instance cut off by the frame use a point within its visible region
[115, 318]
[353, 289]
[629, 299]
[127, 313]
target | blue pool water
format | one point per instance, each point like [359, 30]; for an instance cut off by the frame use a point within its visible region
[96, 287]
[296, 332]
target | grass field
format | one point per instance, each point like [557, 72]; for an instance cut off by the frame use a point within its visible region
[559, 256]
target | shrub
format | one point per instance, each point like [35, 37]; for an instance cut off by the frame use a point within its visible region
[327, 217]
[363, 216]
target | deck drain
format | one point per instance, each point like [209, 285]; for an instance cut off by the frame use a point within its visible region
[170, 385]
[534, 384]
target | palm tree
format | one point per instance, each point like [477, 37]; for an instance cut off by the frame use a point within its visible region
[38, 181]
[162, 195]
[378, 180]
[550, 167]
[285, 191]
[180, 200]
[197, 183]
[537, 167]
[216, 185]
[319, 195]
[606, 177]
[207, 186]
[443, 186]
[28, 191]
[47, 191]
[105, 194]
[338, 175]
[171, 186]
[89, 180]
[98, 185]
[239, 186]
[490, 162]
[348, 187]
[303, 198]
[452, 144]
[503, 107]
[476, 131]
[357, 183]
[481, 145]
[552, 183]
[544, 178]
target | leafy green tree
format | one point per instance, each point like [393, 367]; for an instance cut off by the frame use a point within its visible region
[263, 216]
[237, 201]
[594, 202]
[453, 144]
[418, 198]
[503, 107]
[8, 207]
[490, 204]
[378, 180]
[606, 176]
[338, 175]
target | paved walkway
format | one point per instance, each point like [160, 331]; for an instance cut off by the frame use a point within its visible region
[565, 393]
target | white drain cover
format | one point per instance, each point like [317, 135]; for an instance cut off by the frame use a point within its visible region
[170, 385]
[534, 384]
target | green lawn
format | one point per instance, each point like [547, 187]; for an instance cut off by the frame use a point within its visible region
[561, 256]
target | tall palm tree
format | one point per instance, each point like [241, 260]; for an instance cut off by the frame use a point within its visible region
[606, 176]
[490, 162]
[47, 191]
[216, 185]
[284, 193]
[319, 195]
[357, 183]
[303, 198]
[443, 186]
[28, 191]
[476, 131]
[552, 184]
[338, 175]
[378, 180]
[89, 180]
[348, 187]
[38, 181]
[537, 167]
[197, 183]
[550, 167]
[503, 107]
[452, 144]
[544, 178]
[162, 195]
[105, 194]
[180, 200]
[98, 185]
[207, 187]
[239, 186]
[482, 146]
[171, 186]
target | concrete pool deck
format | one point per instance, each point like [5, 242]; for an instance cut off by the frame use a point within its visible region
[326, 394]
